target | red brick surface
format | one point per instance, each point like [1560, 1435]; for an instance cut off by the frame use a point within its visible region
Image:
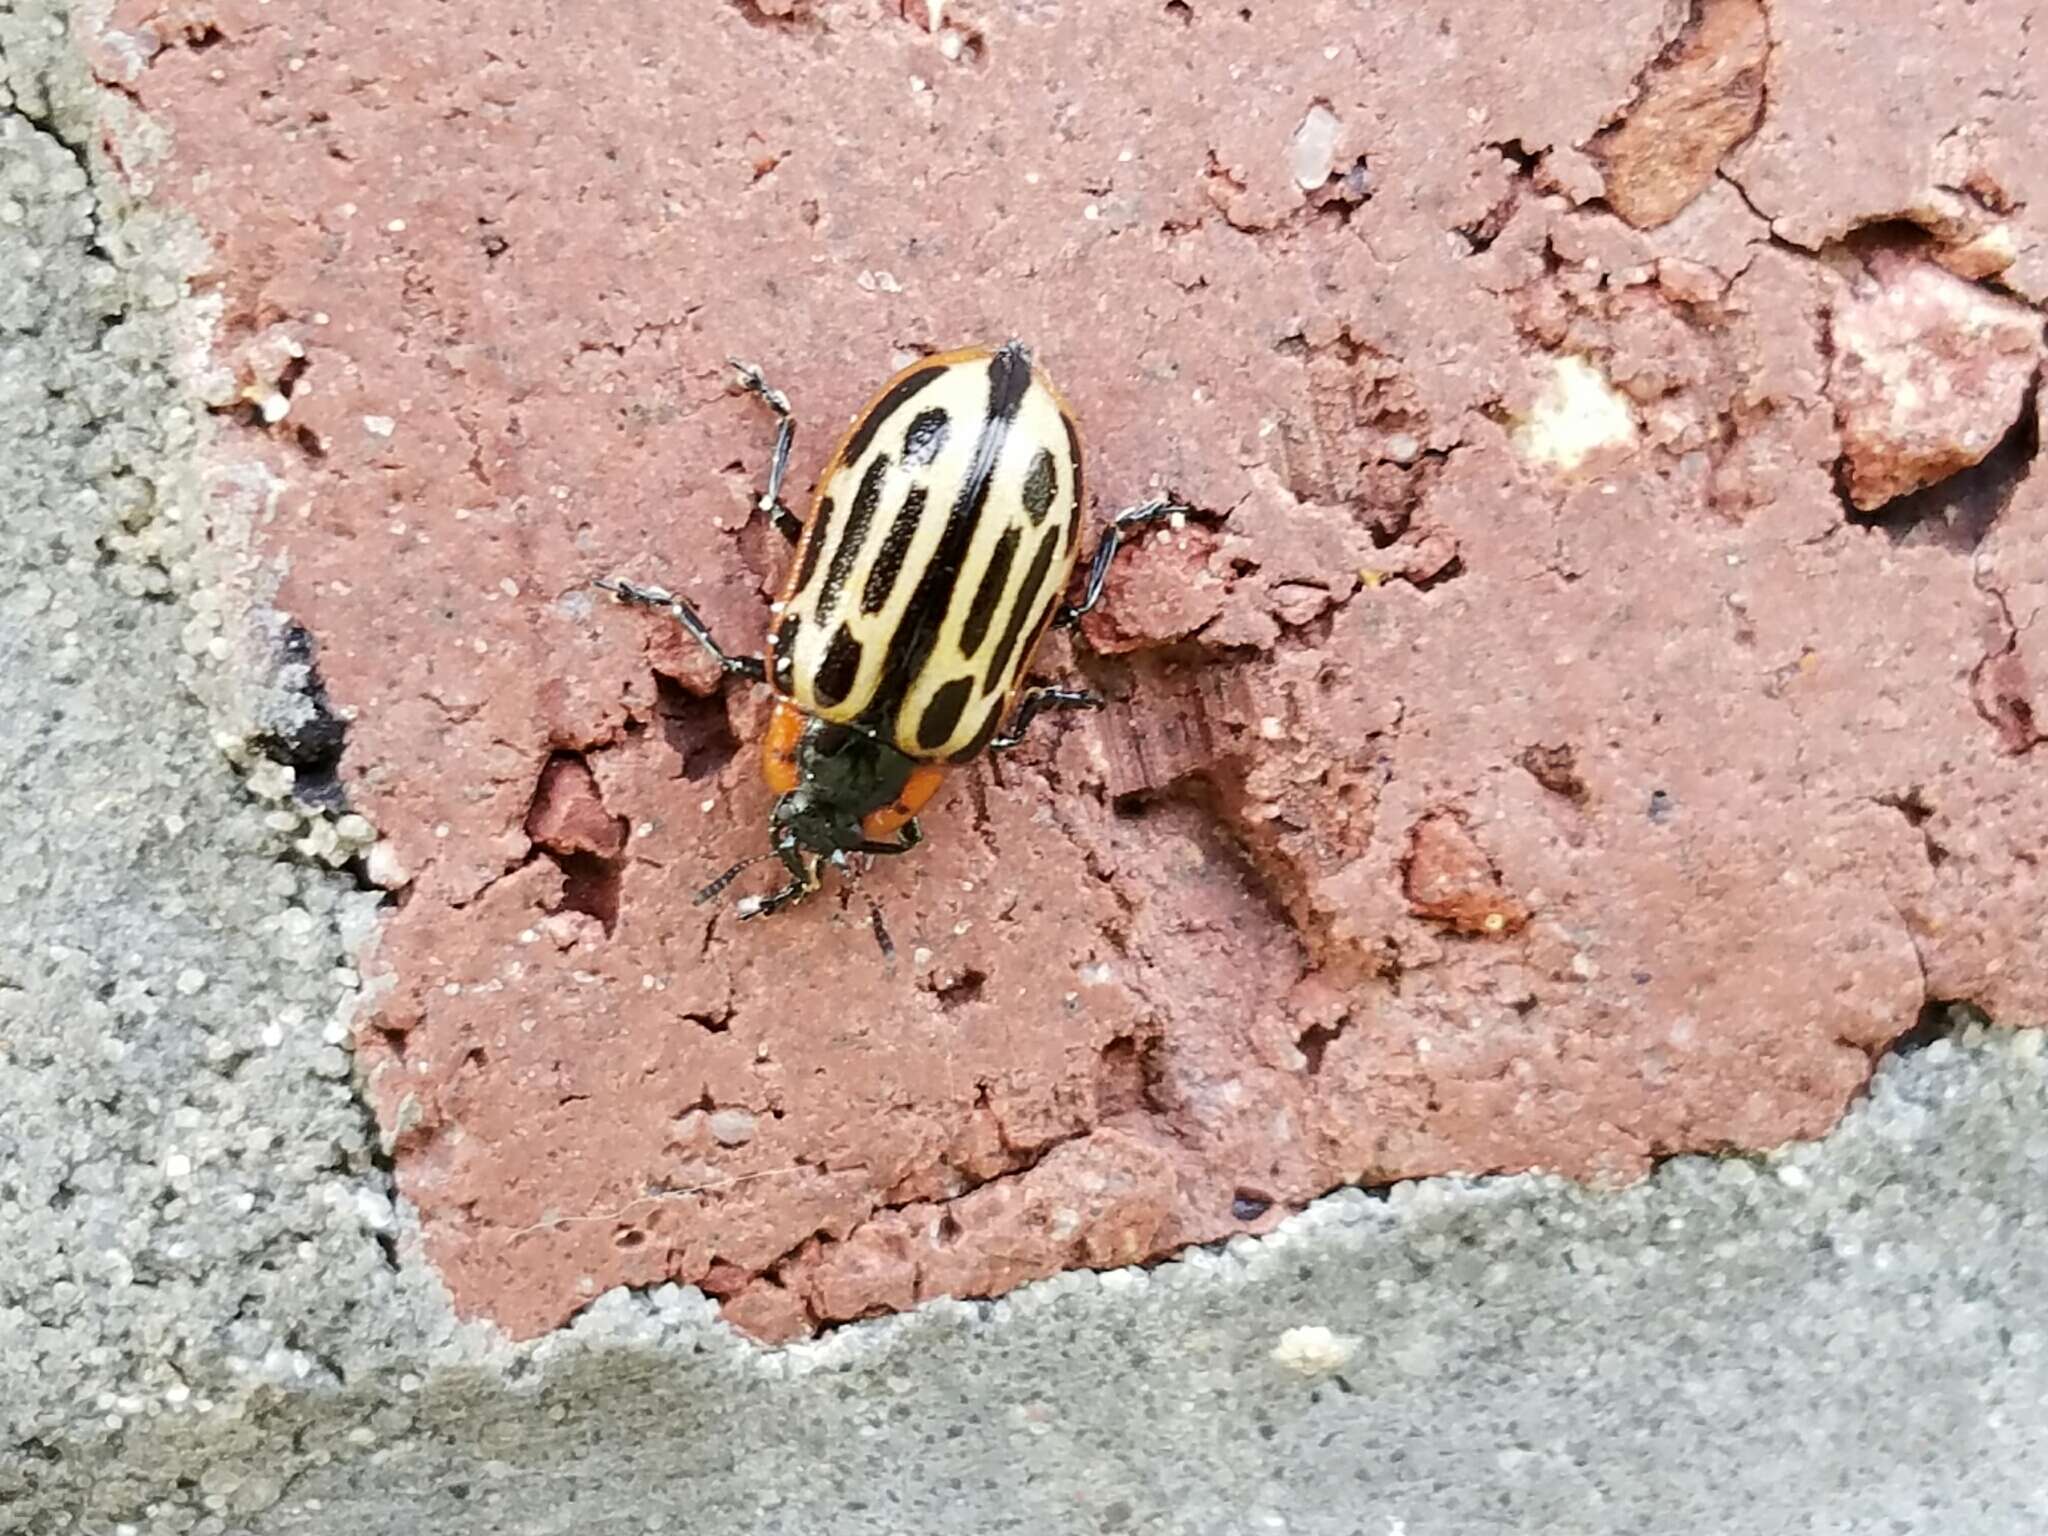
[1744, 772]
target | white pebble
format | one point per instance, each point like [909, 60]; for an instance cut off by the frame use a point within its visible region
[1314, 1350]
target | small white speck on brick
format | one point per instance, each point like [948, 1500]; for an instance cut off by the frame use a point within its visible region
[396, 226]
[1313, 152]
[379, 426]
[177, 1166]
[191, 981]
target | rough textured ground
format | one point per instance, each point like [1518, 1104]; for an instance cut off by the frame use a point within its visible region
[1594, 712]
[214, 1317]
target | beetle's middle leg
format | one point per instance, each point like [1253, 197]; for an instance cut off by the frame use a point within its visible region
[752, 668]
[1112, 540]
[785, 521]
[1040, 699]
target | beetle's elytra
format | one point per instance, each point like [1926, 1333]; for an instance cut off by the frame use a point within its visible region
[943, 534]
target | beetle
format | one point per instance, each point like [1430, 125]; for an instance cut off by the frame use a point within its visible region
[943, 534]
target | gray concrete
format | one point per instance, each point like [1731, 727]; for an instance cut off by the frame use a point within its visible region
[204, 1327]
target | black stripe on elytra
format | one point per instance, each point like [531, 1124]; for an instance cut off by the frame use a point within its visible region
[837, 672]
[889, 558]
[858, 516]
[912, 639]
[784, 650]
[984, 734]
[899, 394]
[927, 435]
[1031, 595]
[1039, 486]
[941, 716]
[994, 577]
[1073, 458]
[814, 543]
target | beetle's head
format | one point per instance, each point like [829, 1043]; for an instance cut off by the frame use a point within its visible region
[813, 824]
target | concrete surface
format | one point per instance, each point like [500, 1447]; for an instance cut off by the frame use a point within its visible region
[214, 1318]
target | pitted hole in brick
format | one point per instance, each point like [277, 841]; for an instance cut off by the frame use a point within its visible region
[1957, 512]
[1314, 1043]
[1556, 768]
[1119, 1078]
[696, 727]
[962, 990]
[628, 1238]
[589, 885]
[776, 15]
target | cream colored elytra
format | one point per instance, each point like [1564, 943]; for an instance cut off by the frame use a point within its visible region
[944, 531]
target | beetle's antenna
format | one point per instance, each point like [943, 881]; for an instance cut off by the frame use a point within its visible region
[888, 945]
[717, 886]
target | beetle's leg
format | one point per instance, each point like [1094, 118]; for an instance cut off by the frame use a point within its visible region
[785, 521]
[803, 879]
[909, 835]
[1112, 540]
[752, 668]
[1037, 699]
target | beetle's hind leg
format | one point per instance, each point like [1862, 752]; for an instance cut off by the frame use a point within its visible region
[752, 668]
[1037, 700]
[1112, 540]
[770, 504]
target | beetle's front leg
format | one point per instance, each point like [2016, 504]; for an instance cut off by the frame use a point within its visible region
[756, 382]
[1112, 540]
[752, 668]
[803, 879]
